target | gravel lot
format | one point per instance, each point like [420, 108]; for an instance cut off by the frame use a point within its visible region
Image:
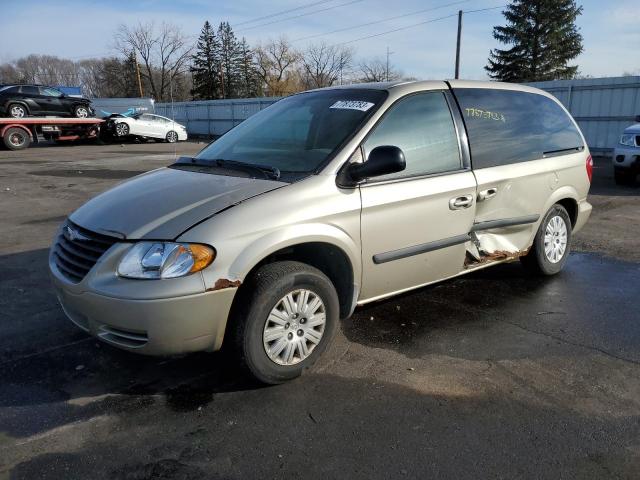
[493, 375]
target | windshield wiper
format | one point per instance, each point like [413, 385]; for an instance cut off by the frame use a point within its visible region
[272, 172]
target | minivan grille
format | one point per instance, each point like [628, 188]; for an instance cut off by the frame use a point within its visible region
[77, 250]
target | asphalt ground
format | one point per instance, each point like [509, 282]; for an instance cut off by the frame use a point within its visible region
[496, 374]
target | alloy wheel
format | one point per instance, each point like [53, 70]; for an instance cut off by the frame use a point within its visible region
[17, 111]
[82, 112]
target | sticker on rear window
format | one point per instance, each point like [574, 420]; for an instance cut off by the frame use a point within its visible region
[486, 114]
[352, 105]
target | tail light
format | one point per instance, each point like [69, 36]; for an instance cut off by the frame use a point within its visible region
[590, 168]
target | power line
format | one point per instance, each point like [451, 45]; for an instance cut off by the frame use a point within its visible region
[381, 21]
[397, 29]
[302, 7]
[301, 15]
[416, 25]
[485, 9]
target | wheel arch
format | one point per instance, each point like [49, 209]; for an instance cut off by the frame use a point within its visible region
[19, 102]
[568, 197]
[4, 129]
[336, 259]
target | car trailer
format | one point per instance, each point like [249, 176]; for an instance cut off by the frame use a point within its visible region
[19, 133]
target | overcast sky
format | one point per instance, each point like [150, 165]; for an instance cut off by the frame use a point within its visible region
[81, 29]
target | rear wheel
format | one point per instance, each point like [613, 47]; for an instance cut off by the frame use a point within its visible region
[286, 317]
[552, 243]
[81, 111]
[16, 139]
[172, 137]
[17, 111]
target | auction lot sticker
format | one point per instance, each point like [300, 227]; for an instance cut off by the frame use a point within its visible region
[352, 105]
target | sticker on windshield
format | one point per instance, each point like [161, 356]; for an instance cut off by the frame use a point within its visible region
[352, 105]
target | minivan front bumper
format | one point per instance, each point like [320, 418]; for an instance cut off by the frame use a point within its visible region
[164, 326]
[627, 158]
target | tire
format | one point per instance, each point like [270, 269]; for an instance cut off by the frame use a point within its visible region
[555, 226]
[16, 139]
[626, 177]
[122, 129]
[17, 110]
[81, 111]
[253, 315]
[172, 137]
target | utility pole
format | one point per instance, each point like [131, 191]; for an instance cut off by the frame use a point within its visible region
[387, 71]
[458, 44]
[135, 57]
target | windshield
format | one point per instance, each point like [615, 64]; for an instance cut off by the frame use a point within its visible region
[297, 134]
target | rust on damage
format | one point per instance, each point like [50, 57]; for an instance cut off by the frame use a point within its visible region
[224, 283]
[497, 256]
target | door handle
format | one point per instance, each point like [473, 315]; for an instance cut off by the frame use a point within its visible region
[487, 194]
[458, 203]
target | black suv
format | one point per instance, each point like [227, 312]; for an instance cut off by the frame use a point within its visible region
[22, 100]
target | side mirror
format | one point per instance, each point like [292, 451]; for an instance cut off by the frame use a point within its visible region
[638, 118]
[382, 160]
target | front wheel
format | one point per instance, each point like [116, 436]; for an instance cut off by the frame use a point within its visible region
[81, 111]
[552, 243]
[172, 137]
[287, 315]
[623, 176]
[122, 129]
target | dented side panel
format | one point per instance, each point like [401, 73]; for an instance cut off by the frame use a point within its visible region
[521, 190]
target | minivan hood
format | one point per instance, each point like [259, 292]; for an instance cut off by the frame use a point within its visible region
[163, 203]
[633, 128]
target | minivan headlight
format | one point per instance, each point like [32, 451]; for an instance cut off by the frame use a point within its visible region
[628, 140]
[152, 260]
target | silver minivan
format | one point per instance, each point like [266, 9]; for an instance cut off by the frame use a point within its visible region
[324, 201]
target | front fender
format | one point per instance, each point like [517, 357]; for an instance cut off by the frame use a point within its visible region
[260, 248]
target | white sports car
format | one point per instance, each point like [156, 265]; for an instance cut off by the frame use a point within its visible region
[149, 126]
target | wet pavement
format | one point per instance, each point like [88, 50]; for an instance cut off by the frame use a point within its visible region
[496, 374]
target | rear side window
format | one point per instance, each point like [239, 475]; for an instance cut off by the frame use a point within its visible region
[422, 127]
[506, 126]
[51, 92]
[29, 90]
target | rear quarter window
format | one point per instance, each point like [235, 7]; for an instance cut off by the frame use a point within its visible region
[506, 126]
[29, 90]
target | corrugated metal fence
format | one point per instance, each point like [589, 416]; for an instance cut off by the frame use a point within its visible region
[213, 117]
[602, 106]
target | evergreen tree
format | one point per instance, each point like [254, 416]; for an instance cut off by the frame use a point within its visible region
[543, 37]
[249, 81]
[230, 54]
[206, 65]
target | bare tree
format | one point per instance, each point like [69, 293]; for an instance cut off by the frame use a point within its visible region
[376, 70]
[276, 63]
[163, 51]
[324, 65]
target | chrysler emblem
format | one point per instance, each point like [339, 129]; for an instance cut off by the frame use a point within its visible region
[72, 235]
